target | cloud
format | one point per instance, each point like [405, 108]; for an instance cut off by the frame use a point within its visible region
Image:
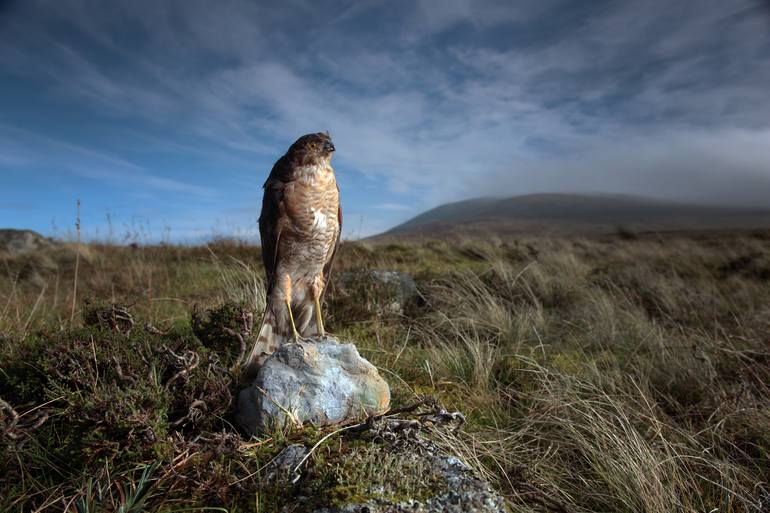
[448, 99]
[727, 167]
[393, 206]
[57, 156]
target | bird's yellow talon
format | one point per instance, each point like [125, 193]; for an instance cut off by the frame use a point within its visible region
[295, 333]
[319, 319]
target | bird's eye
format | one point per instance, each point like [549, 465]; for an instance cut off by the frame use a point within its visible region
[311, 145]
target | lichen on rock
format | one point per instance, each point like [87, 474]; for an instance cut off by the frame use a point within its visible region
[439, 483]
[386, 464]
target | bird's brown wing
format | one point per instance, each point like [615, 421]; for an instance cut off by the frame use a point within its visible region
[328, 267]
[270, 226]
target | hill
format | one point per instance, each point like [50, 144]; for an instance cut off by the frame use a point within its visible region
[21, 241]
[574, 213]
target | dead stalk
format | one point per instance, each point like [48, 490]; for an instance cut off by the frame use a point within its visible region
[77, 265]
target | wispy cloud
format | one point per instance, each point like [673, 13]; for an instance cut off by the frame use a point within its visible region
[450, 98]
[726, 167]
[393, 206]
[57, 156]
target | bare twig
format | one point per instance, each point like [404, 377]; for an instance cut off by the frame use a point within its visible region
[119, 372]
[240, 339]
[4, 406]
[193, 412]
[34, 308]
[149, 328]
[190, 362]
[13, 429]
[77, 265]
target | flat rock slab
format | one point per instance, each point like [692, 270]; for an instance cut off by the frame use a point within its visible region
[321, 381]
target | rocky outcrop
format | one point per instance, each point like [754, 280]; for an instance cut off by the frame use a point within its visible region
[380, 291]
[321, 381]
[455, 490]
[386, 464]
[377, 462]
[15, 242]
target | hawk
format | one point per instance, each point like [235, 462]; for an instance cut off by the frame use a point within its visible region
[300, 230]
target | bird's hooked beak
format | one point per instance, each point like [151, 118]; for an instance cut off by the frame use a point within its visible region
[328, 147]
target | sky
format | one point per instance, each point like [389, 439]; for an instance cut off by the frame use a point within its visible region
[165, 117]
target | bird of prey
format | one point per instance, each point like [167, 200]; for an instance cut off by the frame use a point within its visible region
[300, 231]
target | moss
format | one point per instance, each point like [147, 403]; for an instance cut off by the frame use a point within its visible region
[112, 396]
[360, 471]
[344, 470]
[95, 413]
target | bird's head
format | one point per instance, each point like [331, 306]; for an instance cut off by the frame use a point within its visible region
[312, 149]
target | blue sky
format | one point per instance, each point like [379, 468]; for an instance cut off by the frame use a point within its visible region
[164, 118]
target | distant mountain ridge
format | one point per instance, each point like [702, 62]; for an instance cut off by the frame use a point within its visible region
[580, 213]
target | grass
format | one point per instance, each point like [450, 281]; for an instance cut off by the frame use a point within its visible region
[627, 374]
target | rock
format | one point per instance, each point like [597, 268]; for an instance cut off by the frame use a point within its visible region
[400, 470]
[386, 464]
[16, 242]
[280, 471]
[438, 483]
[320, 381]
[381, 291]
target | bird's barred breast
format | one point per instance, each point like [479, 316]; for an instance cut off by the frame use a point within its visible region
[313, 209]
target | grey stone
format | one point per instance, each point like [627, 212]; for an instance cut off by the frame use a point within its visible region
[320, 381]
[280, 471]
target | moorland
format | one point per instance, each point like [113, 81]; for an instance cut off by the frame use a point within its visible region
[624, 372]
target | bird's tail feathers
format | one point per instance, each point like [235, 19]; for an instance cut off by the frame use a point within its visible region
[270, 338]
